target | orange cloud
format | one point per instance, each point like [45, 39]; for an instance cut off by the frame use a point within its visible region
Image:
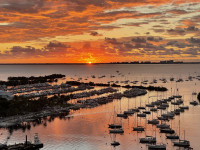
[40, 21]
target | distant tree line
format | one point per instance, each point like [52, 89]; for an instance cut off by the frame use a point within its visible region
[14, 81]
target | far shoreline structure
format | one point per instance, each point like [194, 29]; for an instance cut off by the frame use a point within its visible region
[126, 62]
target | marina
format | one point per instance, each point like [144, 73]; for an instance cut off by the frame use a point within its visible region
[149, 117]
[99, 74]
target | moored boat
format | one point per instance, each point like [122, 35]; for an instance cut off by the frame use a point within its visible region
[116, 130]
[138, 128]
[174, 136]
[154, 121]
[148, 139]
[157, 147]
[167, 130]
[115, 143]
[182, 143]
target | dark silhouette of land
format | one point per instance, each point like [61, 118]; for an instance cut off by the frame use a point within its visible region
[133, 62]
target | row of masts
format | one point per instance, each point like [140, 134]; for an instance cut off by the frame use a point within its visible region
[161, 105]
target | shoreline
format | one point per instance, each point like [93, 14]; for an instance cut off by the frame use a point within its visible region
[114, 63]
[23, 121]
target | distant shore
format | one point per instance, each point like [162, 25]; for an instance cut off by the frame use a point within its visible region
[117, 63]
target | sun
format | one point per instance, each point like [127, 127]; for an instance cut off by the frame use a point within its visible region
[90, 62]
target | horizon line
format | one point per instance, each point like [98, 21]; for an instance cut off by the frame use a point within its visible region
[96, 63]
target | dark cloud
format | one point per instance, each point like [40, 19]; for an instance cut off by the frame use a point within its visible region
[56, 45]
[192, 28]
[177, 11]
[22, 52]
[158, 26]
[57, 14]
[178, 44]
[177, 31]
[194, 40]
[22, 6]
[138, 24]
[94, 33]
[112, 41]
[192, 51]
[158, 30]
[139, 40]
[51, 50]
[172, 42]
[155, 39]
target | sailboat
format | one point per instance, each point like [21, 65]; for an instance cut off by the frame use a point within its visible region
[167, 130]
[141, 107]
[141, 114]
[147, 111]
[129, 111]
[163, 126]
[120, 130]
[123, 115]
[156, 146]
[182, 143]
[138, 128]
[173, 136]
[135, 109]
[194, 92]
[193, 102]
[184, 107]
[153, 121]
[114, 125]
[153, 109]
[149, 104]
[148, 139]
[115, 143]
[116, 128]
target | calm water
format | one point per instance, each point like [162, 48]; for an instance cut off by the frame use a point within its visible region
[87, 129]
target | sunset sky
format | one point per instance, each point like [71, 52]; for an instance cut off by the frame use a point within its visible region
[97, 31]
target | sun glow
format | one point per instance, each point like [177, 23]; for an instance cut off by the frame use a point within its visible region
[90, 62]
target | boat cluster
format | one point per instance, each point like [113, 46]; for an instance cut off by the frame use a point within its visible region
[160, 122]
[106, 99]
[134, 92]
[99, 100]
[94, 92]
[154, 81]
[52, 90]
[35, 87]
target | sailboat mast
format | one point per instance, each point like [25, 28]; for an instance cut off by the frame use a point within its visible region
[114, 116]
[179, 129]
[137, 119]
[184, 135]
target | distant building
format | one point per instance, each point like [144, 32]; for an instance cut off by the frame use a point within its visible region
[171, 62]
[135, 62]
[167, 62]
[145, 62]
[6, 95]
